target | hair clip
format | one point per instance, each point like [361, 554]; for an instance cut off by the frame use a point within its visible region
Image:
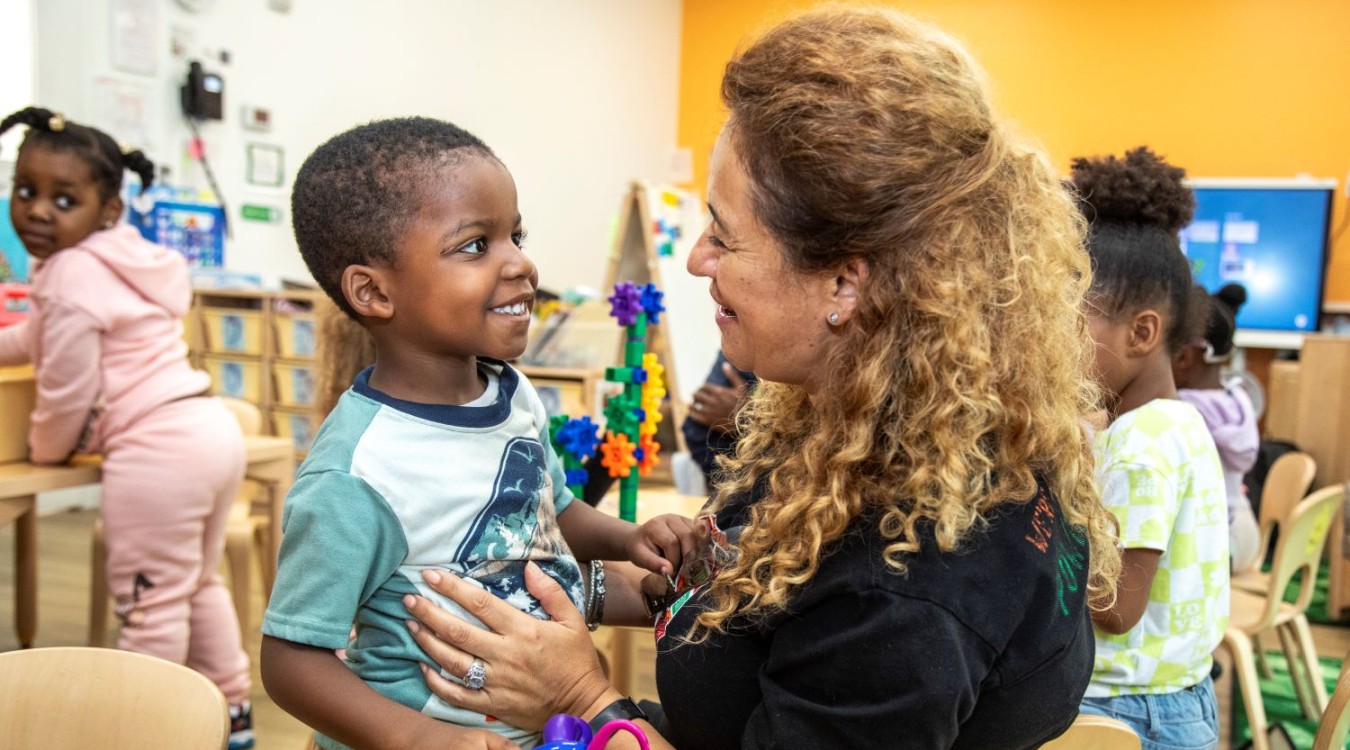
[126, 148]
[57, 122]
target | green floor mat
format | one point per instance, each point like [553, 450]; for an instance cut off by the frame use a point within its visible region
[1281, 702]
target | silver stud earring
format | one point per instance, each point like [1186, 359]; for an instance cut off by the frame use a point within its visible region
[834, 318]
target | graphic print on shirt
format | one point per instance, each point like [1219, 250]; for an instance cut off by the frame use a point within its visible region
[517, 524]
[1070, 552]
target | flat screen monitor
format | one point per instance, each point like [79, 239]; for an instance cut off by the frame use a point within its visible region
[1271, 236]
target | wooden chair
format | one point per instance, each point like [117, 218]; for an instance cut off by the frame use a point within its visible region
[1096, 732]
[245, 531]
[1335, 723]
[80, 698]
[1299, 548]
[1287, 483]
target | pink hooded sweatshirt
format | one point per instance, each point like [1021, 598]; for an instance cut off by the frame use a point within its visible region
[105, 334]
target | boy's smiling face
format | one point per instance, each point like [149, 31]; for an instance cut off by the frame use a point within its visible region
[460, 286]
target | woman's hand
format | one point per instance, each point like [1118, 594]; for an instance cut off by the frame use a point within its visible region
[533, 668]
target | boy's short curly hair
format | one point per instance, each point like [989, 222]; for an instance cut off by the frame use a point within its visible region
[356, 194]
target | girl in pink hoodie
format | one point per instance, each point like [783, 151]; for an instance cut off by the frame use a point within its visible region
[1228, 412]
[105, 336]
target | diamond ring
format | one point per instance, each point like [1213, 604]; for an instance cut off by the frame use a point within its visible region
[476, 675]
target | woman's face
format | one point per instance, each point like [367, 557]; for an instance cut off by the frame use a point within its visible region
[773, 318]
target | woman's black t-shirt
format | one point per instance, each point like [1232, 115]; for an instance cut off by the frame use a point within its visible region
[989, 646]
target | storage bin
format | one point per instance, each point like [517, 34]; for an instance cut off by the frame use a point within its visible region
[18, 392]
[293, 384]
[294, 335]
[235, 377]
[300, 425]
[232, 331]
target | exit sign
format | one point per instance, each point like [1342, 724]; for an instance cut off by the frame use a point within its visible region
[266, 214]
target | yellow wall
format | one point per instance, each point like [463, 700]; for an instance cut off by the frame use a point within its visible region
[1224, 88]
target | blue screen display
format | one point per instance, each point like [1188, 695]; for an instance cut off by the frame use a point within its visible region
[1273, 241]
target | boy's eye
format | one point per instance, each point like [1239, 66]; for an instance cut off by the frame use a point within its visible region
[519, 238]
[23, 192]
[476, 246]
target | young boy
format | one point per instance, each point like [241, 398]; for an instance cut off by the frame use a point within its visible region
[438, 456]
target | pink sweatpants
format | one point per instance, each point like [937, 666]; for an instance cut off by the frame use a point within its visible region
[168, 483]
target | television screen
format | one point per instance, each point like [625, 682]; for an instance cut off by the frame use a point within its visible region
[1271, 237]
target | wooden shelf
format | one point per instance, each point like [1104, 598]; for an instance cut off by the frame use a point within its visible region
[260, 346]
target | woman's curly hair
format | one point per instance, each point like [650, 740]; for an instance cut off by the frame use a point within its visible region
[963, 376]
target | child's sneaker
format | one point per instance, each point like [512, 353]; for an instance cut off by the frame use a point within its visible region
[241, 726]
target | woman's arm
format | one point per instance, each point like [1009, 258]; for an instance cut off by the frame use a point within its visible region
[1137, 568]
[517, 651]
[312, 685]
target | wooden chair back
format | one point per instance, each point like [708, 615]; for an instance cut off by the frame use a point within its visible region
[1287, 483]
[1096, 732]
[250, 417]
[1302, 536]
[1335, 723]
[80, 698]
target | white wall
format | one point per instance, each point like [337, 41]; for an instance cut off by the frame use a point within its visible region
[577, 96]
[17, 56]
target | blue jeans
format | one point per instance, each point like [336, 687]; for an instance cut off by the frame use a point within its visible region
[1185, 720]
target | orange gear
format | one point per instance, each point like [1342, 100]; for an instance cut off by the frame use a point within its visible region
[650, 455]
[617, 454]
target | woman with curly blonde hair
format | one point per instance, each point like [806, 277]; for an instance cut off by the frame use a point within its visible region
[912, 497]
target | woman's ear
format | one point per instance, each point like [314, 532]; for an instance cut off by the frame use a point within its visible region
[849, 279]
[1146, 333]
[364, 288]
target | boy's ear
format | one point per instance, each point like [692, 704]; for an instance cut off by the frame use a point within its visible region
[1146, 333]
[364, 288]
[848, 281]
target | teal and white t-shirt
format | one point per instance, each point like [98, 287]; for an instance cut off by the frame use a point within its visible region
[391, 488]
[1159, 473]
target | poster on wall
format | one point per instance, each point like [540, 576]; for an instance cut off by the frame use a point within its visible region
[123, 110]
[132, 26]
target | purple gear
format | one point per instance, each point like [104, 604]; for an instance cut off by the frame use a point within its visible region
[626, 303]
[579, 438]
[651, 303]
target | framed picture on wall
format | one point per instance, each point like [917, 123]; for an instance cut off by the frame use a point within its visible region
[265, 165]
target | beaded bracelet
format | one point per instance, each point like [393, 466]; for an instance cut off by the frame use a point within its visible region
[595, 595]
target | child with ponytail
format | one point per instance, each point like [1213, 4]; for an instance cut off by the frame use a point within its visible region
[1227, 410]
[1157, 466]
[105, 337]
